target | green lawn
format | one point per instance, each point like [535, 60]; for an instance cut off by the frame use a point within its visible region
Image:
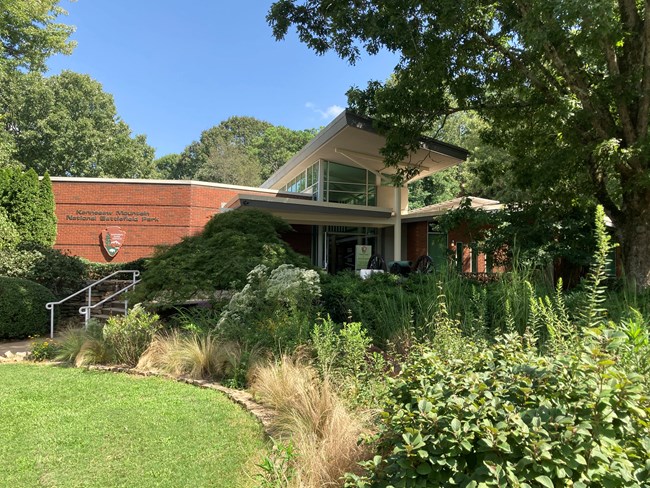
[66, 427]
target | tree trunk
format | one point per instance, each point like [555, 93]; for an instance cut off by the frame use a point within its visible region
[634, 233]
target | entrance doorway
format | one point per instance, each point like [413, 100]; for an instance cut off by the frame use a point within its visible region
[438, 249]
[340, 247]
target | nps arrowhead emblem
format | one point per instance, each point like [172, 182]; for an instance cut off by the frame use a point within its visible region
[113, 239]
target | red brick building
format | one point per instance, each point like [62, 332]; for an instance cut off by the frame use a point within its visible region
[149, 213]
[336, 192]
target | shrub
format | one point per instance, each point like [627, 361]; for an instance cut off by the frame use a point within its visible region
[29, 204]
[22, 308]
[513, 417]
[308, 411]
[83, 346]
[194, 355]
[130, 335]
[9, 236]
[60, 273]
[71, 343]
[43, 350]
[219, 258]
[274, 309]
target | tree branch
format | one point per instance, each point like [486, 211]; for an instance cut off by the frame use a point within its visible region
[629, 131]
[602, 121]
[542, 86]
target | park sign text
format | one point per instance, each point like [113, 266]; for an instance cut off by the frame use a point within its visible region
[112, 216]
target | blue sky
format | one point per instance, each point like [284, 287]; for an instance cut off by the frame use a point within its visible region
[178, 67]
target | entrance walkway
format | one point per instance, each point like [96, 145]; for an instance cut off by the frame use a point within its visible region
[16, 347]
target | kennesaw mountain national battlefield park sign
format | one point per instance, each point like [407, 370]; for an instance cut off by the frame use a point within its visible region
[113, 239]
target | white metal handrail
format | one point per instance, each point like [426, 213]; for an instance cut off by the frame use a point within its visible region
[87, 309]
[50, 306]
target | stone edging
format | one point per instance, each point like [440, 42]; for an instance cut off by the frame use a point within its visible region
[243, 398]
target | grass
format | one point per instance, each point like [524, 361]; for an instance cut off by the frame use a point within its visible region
[66, 427]
[309, 413]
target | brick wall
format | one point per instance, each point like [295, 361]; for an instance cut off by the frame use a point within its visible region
[150, 213]
[417, 244]
[416, 240]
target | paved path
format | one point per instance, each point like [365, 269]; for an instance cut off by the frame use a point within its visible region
[15, 347]
[19, 346]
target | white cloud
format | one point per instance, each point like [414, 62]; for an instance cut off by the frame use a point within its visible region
[327, 114]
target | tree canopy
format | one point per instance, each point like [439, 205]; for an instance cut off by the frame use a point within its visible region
[565, 86]
[240, 150]
[68, 125]
[29, 34]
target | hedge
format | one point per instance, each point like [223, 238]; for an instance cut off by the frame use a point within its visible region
[22, 308]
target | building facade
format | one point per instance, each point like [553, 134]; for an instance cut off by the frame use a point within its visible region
[337, 194]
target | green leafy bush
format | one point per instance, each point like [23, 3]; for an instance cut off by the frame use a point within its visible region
[95, 271]
[61, 273]
[129, 336]
[219, 258]
[275, 308]
[513, 417]
[9, 236]
[22, 308]
[29, 204]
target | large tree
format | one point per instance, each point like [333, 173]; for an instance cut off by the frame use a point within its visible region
[240, 150]
[565, 85]
[68, 126]
[29, 34]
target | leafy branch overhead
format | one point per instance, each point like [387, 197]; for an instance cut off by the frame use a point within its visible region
[565, 86]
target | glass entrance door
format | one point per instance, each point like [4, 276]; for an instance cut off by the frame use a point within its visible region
[438, 249]
[341, 249]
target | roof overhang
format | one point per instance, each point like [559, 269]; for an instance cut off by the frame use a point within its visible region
[438, 209]
[350, 138]
[309, 212]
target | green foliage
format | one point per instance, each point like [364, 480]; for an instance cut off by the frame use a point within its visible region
[46, 228]
[45, 350]
[219, 258]
[60, 273]
[29, 204]
[484, 174]
[129, 336]
[29, 34]
[535, 234]
[511, 416]
[68, 126]
[592, 312]
[96, 271]
[22, 308]
[557, 82]
[72, 341]
[274, 308]
[277, 145]
[344, 355]
[389, 307]
[240, 150]
[228, 163]
[198, 320]
[9, 236]
[277, 468]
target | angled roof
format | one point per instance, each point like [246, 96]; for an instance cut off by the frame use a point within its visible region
[352, 138]
[444, 207]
